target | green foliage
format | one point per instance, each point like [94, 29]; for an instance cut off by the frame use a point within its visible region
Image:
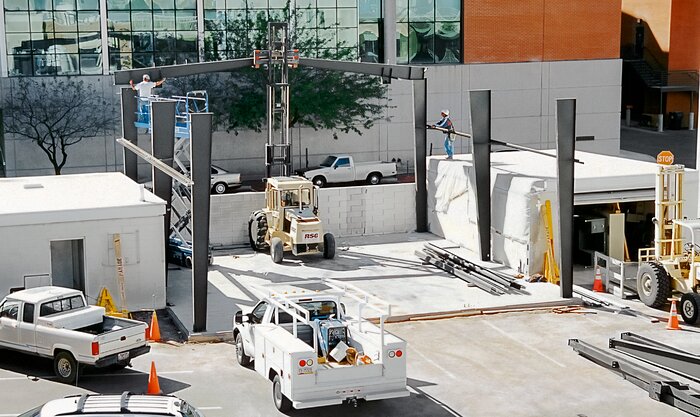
[56, 113]
[320, 99]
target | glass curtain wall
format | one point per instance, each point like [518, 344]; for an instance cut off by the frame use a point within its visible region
[53, 38]
[143, 33]
[370, 29]
[428, 31]
[226, 23]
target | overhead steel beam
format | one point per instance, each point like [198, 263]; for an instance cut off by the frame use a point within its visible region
[397, 72]
[566, 146]
[200, 135]
[181, 70]
[420, 117]
[129, 131]
[480, 107]
[163, 147]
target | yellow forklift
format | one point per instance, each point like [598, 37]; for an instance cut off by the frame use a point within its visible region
[289, 221]
[673, 264]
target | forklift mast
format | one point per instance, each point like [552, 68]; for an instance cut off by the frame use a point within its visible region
[668, 236]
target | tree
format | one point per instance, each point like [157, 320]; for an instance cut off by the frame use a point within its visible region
[56, 113]
[320, 99]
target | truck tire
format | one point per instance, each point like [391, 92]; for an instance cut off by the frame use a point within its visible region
[65, 367]
[241, 357]
[281, 401]
[690, 307]
[276, 250]
[653, 284]
[374, 178]
[188, 262]
[257, 230]
[219, 188]
[319, 181]
[328, 246]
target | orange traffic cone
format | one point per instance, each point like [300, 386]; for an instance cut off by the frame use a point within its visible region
[153, 329]
[153, 385]
[673, 318]
[598, 281]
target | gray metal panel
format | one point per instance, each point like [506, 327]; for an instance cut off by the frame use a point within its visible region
[566, 145]
[129, 131]
[420, 92]
[200, 148]
[163, 148]
[389, 26]
[181, 70]
[403, 72]
[480, 107]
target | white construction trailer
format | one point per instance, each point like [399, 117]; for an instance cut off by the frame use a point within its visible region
[61, 230]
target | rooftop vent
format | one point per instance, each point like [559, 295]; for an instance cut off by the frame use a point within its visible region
[32, 186]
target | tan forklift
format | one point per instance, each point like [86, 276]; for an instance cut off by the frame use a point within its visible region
[289, 221]
[673, 264]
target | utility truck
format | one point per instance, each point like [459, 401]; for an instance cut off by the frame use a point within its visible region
[673, 264]
[56, 322]
[315, 355]
[289, 221]
[342, 168]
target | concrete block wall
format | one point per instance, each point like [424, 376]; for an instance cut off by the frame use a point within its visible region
[345, 211]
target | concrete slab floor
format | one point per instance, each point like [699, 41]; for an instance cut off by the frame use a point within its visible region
[385, 266]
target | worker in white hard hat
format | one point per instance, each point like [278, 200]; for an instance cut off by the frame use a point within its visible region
[144, 89]
[446, 123]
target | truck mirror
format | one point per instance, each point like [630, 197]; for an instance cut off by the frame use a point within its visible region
[342, 308]
[238, 317]
[335, 167]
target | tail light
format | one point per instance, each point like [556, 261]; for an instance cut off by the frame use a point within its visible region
[395, 353]
[306, 362]
[95, 348]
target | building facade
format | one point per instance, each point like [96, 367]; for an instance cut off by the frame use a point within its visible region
[529, 53]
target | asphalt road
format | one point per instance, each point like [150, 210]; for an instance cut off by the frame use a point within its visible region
[515, 364]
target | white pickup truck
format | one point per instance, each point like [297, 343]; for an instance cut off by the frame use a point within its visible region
[56, 322]
[342, 168]
[315, 355]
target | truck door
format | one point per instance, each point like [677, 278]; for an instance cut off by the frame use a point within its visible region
[342, 171]
[256, 317]
[27, 328]
[9, 329]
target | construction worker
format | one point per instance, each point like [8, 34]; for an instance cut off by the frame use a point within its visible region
[446, 123]
[144, 89]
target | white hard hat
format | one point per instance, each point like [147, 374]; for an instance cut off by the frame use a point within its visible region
[146, 77]
[445, 112]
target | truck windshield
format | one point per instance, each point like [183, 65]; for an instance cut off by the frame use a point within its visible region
[328, 161]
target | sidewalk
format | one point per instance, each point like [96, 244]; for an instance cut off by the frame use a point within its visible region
[682, 143]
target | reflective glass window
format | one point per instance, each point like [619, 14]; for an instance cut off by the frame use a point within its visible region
[16, 5]
[428, 31]
[347, 18]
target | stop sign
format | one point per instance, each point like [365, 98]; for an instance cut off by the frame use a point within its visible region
[664, 158]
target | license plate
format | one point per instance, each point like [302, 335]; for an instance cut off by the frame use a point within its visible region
[123, 356]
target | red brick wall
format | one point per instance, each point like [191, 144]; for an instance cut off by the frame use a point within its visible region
[684, 52]
[537, 30]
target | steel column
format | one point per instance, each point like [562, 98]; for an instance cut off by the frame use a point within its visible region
[129, 131]
[162, 147]
[566, 145]
[200, 150]
[420, 117]
[480, 107]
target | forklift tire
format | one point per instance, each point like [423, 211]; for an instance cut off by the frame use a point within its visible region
[690, 307]
[241, 357]
[653, 284]
[281, 402]
[276, 250]
[257, 229]
[328, 246]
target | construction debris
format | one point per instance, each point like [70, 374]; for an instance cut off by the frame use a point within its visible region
[593, 299]
[486, 279]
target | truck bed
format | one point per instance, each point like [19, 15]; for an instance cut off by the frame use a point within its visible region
[109, 324]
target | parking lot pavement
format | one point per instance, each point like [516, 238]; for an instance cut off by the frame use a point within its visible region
[512, 364]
